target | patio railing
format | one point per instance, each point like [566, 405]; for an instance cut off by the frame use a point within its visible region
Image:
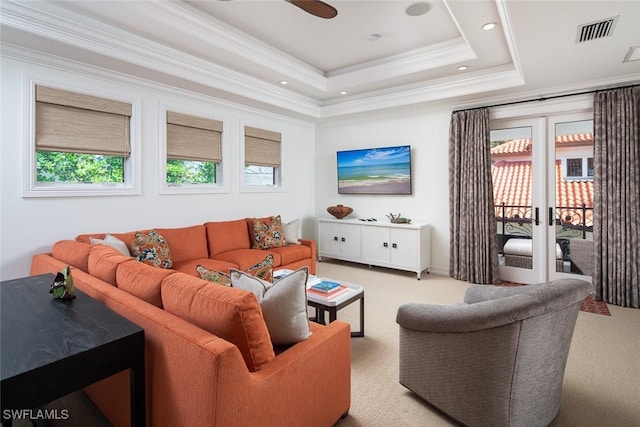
[570, 221]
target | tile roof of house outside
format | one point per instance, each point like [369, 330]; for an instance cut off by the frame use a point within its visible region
[512, 179]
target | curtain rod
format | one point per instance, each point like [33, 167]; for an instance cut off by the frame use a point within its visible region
[544, 98]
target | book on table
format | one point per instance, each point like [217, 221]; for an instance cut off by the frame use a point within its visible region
[326, 286]
[341, 289]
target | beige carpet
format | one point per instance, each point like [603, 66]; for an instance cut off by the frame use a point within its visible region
[601, 385]
[602, 378]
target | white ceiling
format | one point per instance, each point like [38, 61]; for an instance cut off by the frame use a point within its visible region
[240, 50]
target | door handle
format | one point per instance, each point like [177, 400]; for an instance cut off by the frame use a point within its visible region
[394, 246]
[343, 239]
[537, 220]
[385, 244]
[550, 216]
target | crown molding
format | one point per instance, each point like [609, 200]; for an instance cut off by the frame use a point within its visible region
[493, 79]
[439, 55]
[174, 67]
[151, 55]
[214, 32]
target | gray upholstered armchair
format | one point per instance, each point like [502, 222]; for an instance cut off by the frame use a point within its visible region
[497, 359]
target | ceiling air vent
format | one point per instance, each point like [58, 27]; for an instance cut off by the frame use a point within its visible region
[596, 30]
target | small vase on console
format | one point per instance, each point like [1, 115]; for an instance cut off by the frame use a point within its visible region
[339, 211]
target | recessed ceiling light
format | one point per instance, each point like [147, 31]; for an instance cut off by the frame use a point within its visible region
[489, 26]
[373, 37]
[462, 67]
[344, 92]
[284, 82]
[417, 9]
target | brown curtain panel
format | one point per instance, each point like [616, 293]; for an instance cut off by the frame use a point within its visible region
[474, 255]
[616, 231]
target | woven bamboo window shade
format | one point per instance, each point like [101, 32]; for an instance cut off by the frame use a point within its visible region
[193, 138]
[77, 123]
[261, 147]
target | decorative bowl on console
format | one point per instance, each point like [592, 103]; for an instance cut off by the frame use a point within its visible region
[339, 211]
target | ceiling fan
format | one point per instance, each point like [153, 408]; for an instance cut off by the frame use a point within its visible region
[316, 8]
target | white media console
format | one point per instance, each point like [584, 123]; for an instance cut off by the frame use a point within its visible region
[381, 243]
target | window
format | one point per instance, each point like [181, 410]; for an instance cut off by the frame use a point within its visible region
[194, 151]
[574, 168]
[579, 168]
[82, 145]
[261, 157]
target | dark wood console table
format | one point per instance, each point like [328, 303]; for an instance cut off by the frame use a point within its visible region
[50, 348]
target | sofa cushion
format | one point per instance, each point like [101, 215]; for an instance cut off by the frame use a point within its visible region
[104, 261]
[225, 236]
[142, 280]
[246, 258]
[231, 314]
[267, 233]
[292, 253]
[151, 248]
[73, 253]
[114, 242]
[283, 303]
[186, 242]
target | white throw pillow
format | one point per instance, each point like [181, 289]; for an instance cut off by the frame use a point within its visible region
[292, 232]
[283, 303]
[112, 241]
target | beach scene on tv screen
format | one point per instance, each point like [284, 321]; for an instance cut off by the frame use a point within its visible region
[384, 170]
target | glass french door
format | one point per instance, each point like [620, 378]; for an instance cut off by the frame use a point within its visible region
[542, 171]
[570, 195]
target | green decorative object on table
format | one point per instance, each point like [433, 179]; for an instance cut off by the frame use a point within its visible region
[398, 219]
[62, 286]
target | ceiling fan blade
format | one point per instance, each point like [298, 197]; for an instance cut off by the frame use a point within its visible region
[316, 8]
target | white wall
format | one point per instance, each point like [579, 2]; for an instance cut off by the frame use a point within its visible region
[32, 225]
[427, 132]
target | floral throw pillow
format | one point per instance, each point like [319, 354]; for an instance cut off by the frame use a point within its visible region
[213, 276]
[269, 234]
[151, 248]
[262, 270]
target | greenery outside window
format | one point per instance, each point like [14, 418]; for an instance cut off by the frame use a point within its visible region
[193, 153]
[78, 168]
[190, 172]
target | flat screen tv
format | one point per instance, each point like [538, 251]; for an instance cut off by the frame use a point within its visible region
[385, 170]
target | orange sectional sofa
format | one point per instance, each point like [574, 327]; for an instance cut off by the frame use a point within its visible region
[209, 357]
